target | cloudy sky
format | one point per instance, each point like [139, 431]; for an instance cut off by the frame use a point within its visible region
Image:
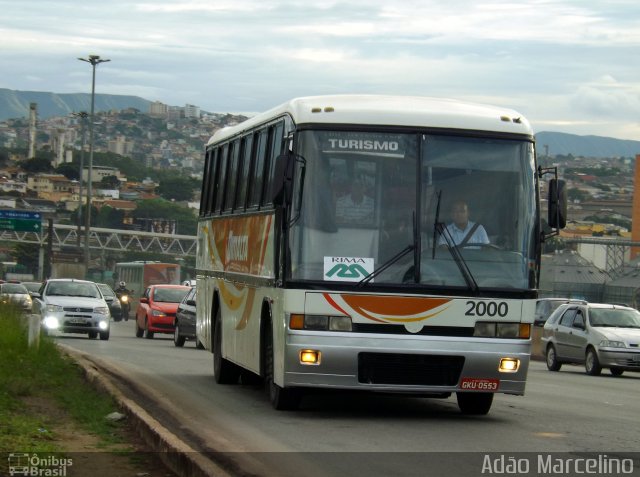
[567, 65]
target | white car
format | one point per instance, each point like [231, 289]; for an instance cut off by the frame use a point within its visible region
[73, 306]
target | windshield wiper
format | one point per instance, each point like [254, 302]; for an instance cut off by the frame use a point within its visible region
[440, 229]
[392, 260]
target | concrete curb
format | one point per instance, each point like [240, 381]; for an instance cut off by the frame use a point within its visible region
[174, 453]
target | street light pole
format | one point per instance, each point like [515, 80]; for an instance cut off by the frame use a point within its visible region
[83, 117]
[94, 60]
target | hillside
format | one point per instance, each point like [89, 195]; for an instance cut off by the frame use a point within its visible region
[587, 146]
[15, 104]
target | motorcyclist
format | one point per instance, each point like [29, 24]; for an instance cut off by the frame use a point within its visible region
[124, 295]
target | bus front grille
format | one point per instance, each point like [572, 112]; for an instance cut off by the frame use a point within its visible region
[409, 369]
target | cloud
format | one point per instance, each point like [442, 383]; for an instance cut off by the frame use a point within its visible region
[566, 62]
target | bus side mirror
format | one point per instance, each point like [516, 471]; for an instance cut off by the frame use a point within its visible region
[281, 184]
[557, 200]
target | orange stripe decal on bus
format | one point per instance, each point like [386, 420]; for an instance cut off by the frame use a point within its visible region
[392, 309]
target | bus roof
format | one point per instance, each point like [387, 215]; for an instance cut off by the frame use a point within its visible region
[410, 111]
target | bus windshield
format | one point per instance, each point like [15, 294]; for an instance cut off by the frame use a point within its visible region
[417, 209]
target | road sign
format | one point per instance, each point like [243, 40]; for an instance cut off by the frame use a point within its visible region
[20, 220]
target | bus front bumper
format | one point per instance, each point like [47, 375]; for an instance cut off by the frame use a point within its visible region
[414, 364]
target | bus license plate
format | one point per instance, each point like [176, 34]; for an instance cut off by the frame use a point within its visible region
[479, 384]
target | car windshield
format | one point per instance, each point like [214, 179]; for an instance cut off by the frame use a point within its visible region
[88, 290]
[32, 286]
[169, 295]
[15, 288]
[106, 291]
[613, 317]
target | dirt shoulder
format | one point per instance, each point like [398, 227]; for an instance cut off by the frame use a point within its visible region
[91, 456]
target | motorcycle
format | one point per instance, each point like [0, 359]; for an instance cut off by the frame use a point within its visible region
[124, 297]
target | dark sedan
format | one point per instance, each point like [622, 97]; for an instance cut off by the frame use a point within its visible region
[185, 323]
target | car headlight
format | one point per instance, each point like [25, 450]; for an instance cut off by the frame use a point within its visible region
[612, 344]
[51, 322]
[54, 309]
[158, 313]
[101, 310]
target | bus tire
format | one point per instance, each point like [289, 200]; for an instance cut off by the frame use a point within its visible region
[224, 371]
[474, 403]
[282, 399]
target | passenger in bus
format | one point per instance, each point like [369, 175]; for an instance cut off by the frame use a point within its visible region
[355, 207]
[461, 230]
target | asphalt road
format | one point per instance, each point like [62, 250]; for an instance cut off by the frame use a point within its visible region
[343, 433]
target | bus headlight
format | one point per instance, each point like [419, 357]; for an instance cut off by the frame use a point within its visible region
[319, 322]
[492, 329]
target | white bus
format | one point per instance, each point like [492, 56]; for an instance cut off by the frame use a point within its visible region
[325, 258]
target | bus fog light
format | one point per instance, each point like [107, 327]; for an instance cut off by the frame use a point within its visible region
[309, 356]
[340, 323]
[509, 365]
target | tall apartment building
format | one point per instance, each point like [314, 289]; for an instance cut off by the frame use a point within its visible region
[121, 146]
[158, 109]
[191, 111]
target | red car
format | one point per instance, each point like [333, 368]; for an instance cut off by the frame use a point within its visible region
[156, 312]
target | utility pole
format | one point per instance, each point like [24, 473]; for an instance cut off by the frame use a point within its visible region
[94, 60]
[83, 117]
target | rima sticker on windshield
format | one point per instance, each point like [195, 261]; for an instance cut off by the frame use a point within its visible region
[347, 269]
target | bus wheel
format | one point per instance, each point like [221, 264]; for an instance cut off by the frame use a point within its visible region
[224, 371]
[474, 403]
[282, 399]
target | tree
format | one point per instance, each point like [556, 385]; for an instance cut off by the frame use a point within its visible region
[178, 188]
[110, 182]
[70, 171]
[27, 254]
[186, 221]
[110, 218]
[35, 165]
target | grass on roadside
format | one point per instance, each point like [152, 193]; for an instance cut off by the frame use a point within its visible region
[43, 373]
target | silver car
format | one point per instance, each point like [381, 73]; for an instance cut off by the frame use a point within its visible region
[15, 293]
[594, 334]
[73, 306]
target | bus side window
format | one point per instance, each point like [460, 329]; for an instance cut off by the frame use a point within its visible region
[205, 205]
[221, 176]
[243, 173]
[275, 149]
[232, 176]
[258, 169]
